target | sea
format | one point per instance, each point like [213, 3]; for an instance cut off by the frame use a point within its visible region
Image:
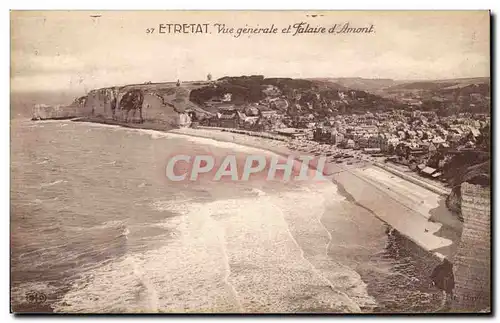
[97, 227]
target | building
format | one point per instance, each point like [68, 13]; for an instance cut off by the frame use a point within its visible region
[228, 118]
[427, 171]
[372, 151]
[322, 134]
[350, 144]
[268, 113]
[336, 137]
[247, 122]
[291, 132]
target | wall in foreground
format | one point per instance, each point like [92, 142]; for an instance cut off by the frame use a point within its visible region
[473, 258]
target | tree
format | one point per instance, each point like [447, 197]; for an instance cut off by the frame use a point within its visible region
[209, 77]
[484, 138]
[132, 101]
[390, 149]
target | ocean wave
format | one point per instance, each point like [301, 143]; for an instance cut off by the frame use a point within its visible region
[258, 192]
[243, 255]
[309, 231]
[155, 134]
[43, 161]
[113, 224]
[220, 144]
[19, 293]
[182, 207]
[52, 183]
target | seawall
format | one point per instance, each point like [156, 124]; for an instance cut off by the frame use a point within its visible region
[414, 180]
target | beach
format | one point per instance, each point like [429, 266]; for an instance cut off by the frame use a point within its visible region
[415, 211]
[96, 227]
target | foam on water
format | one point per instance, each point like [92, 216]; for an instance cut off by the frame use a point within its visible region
[258, 192]
[113, 224]
[216, 143]
[264, 254]
[156, 134]
[304, 221]
[52, 183]
[112, 242]
[18, 293]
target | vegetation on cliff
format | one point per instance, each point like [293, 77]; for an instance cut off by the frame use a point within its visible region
[314, 96]
[472, 167]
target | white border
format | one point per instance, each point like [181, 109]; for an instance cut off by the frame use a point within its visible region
[261, 4]
[179, 4]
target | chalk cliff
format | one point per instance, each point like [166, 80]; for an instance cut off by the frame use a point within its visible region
[473, 258]
[44, 112]
[160, 104]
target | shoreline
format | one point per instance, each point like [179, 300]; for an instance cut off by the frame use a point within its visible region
[280, 147]
[418, 224]
[346, 178]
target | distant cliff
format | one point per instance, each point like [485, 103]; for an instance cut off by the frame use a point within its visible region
[44, 112]
[160, 104]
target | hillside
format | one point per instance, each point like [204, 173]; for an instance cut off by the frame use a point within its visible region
[321, 97]
[390, 86]
[364, 84]
[447, 97]
[254, 88]
[304, 96]
[434, 85]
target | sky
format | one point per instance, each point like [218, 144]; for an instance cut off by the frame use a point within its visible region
[73, 51]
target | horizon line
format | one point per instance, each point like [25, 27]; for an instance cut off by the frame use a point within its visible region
[265, 77]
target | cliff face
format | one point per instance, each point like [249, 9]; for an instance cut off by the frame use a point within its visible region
[454, 201]
[98, 103]
[44, 112]
[161, 104]
[164, 100]
[473, 258]
[470, 167]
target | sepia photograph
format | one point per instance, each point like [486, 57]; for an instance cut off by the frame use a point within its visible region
[250, 162]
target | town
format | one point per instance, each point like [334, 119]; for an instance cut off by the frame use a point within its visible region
[418, 131]
[403, 148]
[437, 132]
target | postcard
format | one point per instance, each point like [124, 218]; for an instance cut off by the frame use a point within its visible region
[250, 162]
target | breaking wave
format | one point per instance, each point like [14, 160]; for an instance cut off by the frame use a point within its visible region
[52, 183]
[235, 255]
